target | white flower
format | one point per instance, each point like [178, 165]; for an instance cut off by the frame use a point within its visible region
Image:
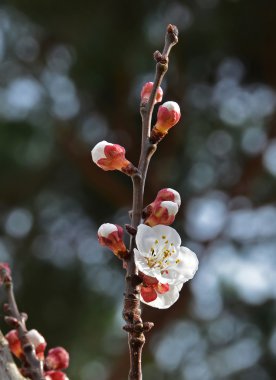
[160, 255]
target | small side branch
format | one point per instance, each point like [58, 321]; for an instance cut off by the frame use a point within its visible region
[18, 321]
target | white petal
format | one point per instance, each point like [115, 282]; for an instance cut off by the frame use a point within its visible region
[163, 233]
[145, 239]
[164, 301]
[98, 151]
[188, 263]
[106, 229]
[172, 207]
[182, 271]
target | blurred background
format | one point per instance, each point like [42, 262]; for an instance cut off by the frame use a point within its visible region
[70, 76]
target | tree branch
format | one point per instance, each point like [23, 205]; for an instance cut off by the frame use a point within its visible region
[132, 312]
[19, 319]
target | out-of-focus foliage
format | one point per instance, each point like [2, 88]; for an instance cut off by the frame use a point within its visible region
[70, 75]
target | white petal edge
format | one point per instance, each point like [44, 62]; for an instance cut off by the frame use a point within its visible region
[107, 229]
[145, 239]
[98, 151]
[167, 231]
[188, 264]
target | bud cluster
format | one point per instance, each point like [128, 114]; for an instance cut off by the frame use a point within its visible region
[56, 360]
[111, 236]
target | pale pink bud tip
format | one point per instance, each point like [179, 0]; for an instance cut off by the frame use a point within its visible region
[168, 115]
[35, 338]
[171, 207]
[55, 375]
[107, 228]
[162, 213]
[57, 358]
[146, 92]
[168, 194]
[111, 236]
[109, 156]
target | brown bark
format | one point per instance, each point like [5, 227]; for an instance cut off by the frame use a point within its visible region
[132, 312]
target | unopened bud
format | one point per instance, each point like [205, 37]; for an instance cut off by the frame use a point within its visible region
[14, 343]
[57, 358]
[111, 157]
[146, 91]
[168, 115]
[38, 341]
[166, 194]
[111, 236]
[55, 375]
[162, 213]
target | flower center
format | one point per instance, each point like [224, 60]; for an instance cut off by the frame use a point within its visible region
[161, 254]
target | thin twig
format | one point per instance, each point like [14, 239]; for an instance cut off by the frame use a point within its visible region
[35, 366]
[132, 312]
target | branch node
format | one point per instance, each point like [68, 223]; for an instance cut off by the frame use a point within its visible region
[172, 33]
[131, 230]
[12, 322]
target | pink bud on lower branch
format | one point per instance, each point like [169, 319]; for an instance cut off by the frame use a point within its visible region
[112, 157]
[168, 115]
[166, 194]
[146, 92]
[55, 375]
[14, 343]
[111, 236]
[162, 213]
[57, 358]
[38, 341]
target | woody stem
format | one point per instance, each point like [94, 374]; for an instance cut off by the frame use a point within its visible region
[132, 312]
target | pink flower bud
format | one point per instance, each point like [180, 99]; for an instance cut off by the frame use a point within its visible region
[168, 115]
[162, 213]
[14, 343]
[166, 194]
[111, 236]
[146, 91]
[57, 358]
[111, 157]
[55, 375]
[38, 341]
